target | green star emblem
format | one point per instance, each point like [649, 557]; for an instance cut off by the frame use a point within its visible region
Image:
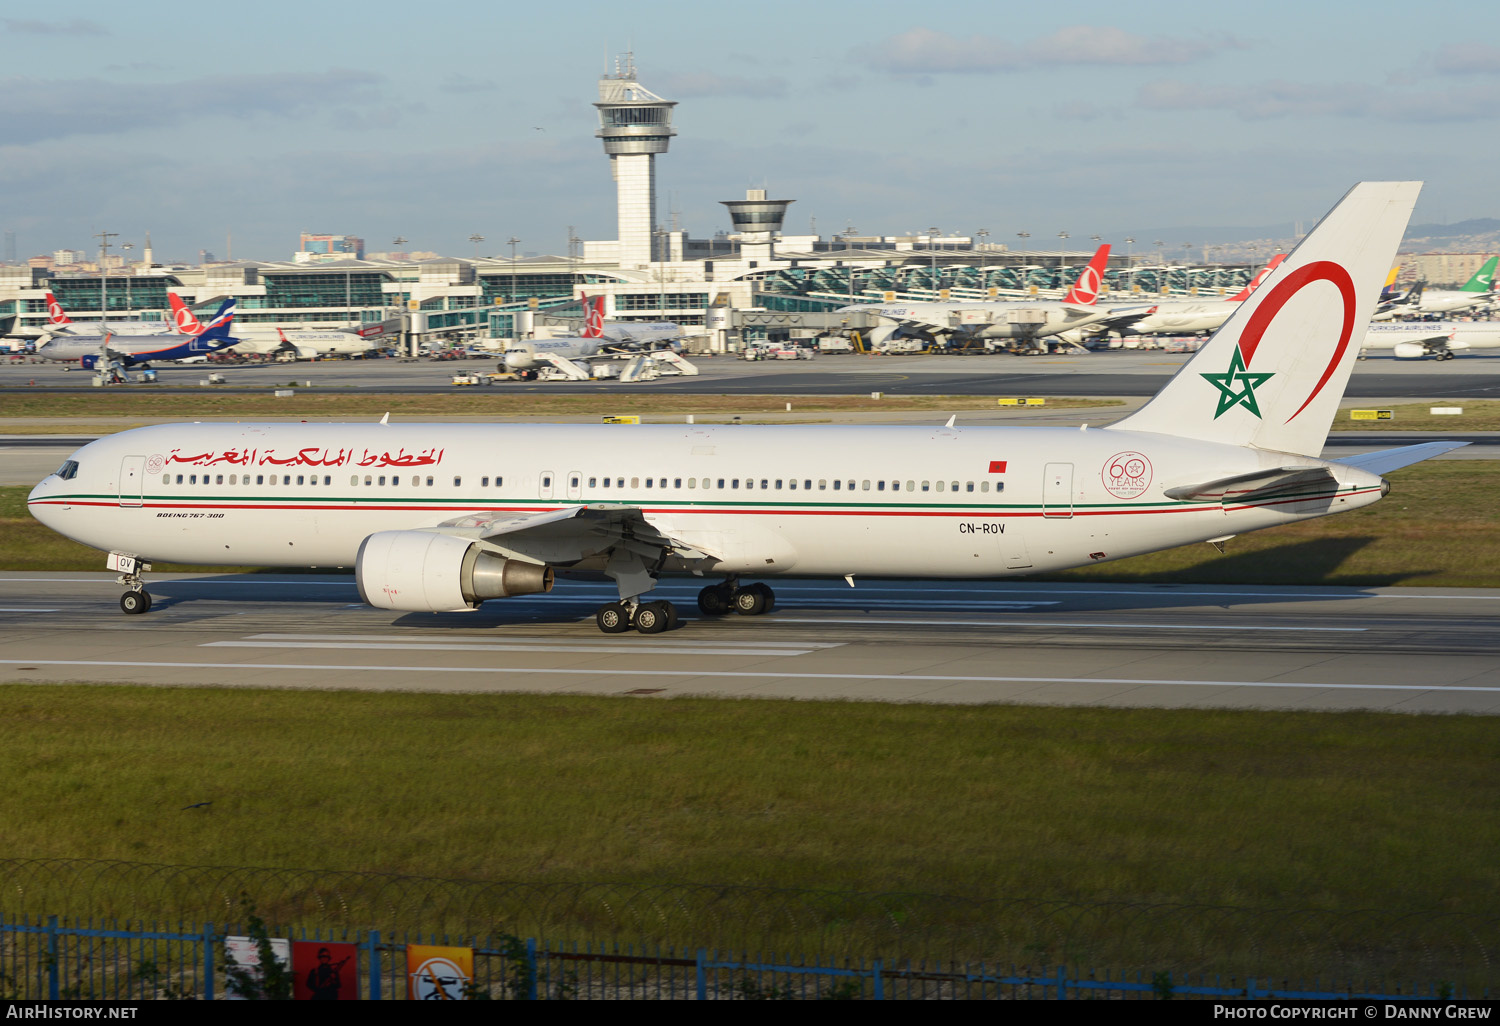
[1229, 395]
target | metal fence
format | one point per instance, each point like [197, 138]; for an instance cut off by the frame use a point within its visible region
[1145, 939]
[55, 959]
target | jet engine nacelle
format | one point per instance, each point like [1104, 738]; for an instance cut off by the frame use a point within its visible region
[426, 572]
[1410, 350]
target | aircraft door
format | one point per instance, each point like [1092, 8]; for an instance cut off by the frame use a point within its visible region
[132, 480]
[575, 484]
[545, 485]
[1057, 491]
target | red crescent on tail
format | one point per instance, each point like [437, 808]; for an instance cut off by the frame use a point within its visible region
[1270, 306]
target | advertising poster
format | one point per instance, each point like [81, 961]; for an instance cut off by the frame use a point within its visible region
[324, 971]
[438, 973]
[245, 954]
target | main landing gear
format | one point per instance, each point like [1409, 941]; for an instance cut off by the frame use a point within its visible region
[646, 617]
[751, 600]
[655, 617]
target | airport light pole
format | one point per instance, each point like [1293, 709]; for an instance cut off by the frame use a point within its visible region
[1130, 262]
[982, 235]
[476, 238]
[512, 242]
[1023, 236]
[849, 233]
[1165, 283]
[104, 238]
[127, 247]
[932, 254]
[661, 269]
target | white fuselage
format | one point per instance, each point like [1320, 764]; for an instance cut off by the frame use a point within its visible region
[1184, 318]
[307, 343]
[893, 501]
[1451, 335]
[1433, 301]
[1019, 319]
[523, 355]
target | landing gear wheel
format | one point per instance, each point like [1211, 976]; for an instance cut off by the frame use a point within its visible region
[714, 600]
[134, 602]
[653, 617]
[672, 618]
[613, 618]
[751, 601]
[768, 594]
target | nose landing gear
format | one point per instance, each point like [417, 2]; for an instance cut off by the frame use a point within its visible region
[137, 600]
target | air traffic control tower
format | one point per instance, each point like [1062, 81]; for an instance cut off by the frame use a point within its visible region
[635, 125]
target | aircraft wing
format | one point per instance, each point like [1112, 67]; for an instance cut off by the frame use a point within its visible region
[597, 526]
[1394, 459]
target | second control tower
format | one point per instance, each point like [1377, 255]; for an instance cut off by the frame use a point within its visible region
[635, 125]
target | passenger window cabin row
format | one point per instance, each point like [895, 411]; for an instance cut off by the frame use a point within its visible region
[596, 483]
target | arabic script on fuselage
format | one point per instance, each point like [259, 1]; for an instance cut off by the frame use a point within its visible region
[312, 456]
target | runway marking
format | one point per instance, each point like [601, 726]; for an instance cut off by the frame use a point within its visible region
[527, 645]
[1044, 623]
[4, 609]
[715, 672]
[509, 639]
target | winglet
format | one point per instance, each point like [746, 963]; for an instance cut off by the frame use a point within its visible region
[385, 419]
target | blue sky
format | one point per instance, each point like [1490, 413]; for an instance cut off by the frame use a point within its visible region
[437, 121]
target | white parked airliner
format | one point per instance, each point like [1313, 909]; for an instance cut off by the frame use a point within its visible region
[1442, 340]
[444, 516]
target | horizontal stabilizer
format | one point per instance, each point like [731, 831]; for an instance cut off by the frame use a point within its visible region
[1386, 460]
[1250, 486]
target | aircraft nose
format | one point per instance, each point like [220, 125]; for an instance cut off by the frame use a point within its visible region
[36, 500]
[515, 359]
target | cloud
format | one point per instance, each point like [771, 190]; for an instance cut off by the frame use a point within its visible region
[1467, 59]
[922, 51]
[694, 84]
[76, 27]
[460, 83]
[1282, 99]
[61, 108]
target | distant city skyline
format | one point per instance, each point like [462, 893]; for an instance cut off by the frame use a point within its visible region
[195, 123]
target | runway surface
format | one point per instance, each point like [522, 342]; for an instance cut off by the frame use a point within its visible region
[1396, 649]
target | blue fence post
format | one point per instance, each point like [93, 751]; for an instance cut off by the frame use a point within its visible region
[374, 963]
[879, 982]
[208, 961]
[52, 983]
[531, 968]
[1062, 983]
[702, 974]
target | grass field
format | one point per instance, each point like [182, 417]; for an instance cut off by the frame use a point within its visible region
[1438, 528]
[1253, 809]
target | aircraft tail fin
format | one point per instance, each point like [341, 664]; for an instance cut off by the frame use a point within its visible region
[593, 317]
[183, 321]
[1086, 290]
[1273, 375]
[1484, 278]
[1388, 293]
[1260, 276]
[55, 314]
[217, 329]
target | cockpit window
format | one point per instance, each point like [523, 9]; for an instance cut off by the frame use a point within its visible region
[68, 471]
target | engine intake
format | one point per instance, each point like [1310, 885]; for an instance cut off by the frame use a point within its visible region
[422, 571]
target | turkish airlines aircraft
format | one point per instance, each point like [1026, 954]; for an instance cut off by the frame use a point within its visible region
[1192, 317]
[58, 323]
[308, 344]
[600, 339]
[130, 350]
[438, 517]
[1441, 339]
[1024, 320]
